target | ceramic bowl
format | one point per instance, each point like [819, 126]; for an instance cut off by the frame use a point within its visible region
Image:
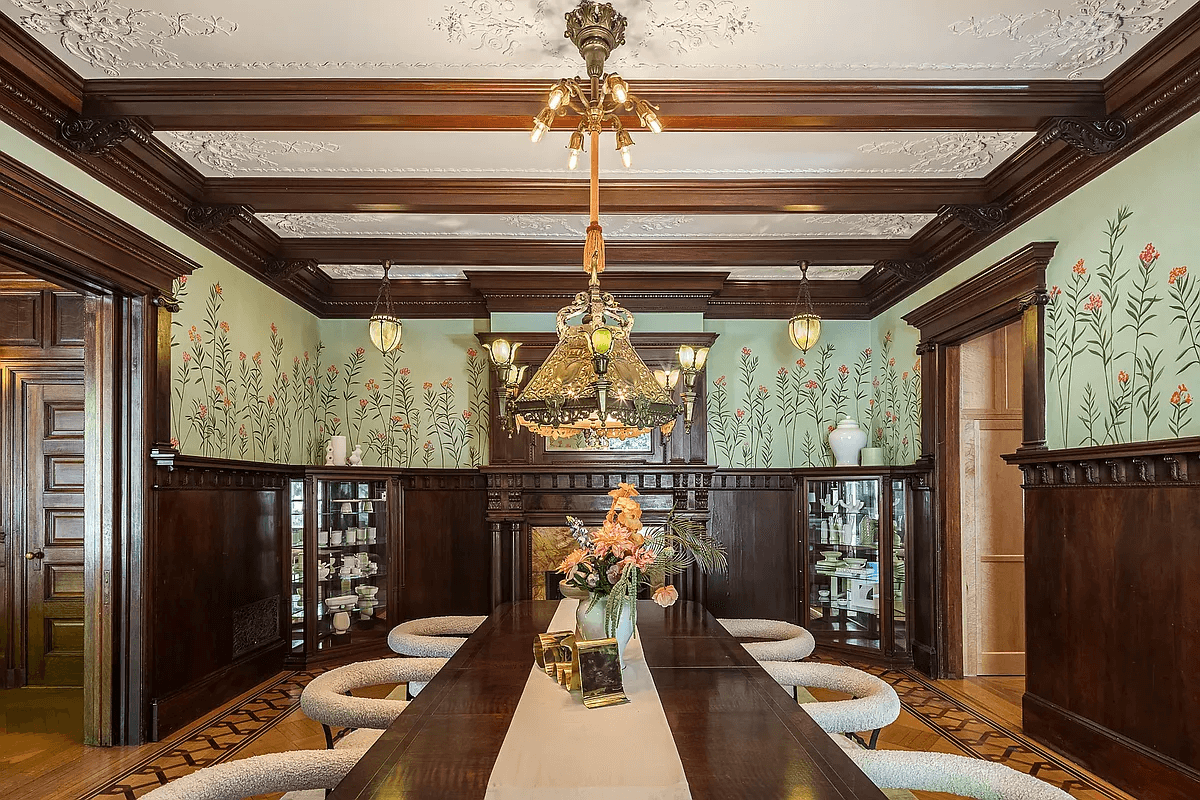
[855, 563]
[831, 555]
[343, 602]
[367, 591]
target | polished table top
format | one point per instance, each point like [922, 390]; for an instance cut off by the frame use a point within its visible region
[738, 733]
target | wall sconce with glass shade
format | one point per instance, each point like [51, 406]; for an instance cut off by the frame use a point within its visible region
[509, 375]
[691, 362]
[804, 328]
[386, 329]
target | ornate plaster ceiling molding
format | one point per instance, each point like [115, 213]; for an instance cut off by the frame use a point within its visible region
[99, 31]
[622, 227]
[1075, 41]
[695, 24]
[229, 151]
[958, 153]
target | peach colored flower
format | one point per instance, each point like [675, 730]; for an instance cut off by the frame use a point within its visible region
[571, 561]
[187, 357]
[1123, 376]
[224, 326]
[1079, 269]
[358, 351]
[666, 596]
[217, 288]
[362, 403]
[472, 352]
[624, 490]
[428, 386]
[1176, 274]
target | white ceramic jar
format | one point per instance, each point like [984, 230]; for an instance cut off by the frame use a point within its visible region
[846, 441]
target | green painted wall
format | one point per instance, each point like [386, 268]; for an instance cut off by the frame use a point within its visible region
[256, 377]
[1123, 343]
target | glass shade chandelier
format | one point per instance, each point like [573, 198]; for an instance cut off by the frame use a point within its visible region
[804, 328]
[386, 328]
[593, 381]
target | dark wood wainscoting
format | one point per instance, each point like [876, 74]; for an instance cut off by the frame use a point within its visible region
[445, 544]
[216, 565]
[755, 514]
[1112, 552]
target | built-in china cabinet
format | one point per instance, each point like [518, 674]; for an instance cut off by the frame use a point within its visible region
[854, 547]
[344, 562]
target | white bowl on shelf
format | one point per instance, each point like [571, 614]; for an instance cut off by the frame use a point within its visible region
[855, 563]
[343, 602]
[831, 555]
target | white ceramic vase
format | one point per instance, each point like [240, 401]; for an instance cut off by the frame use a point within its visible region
[589, 624]
[846, 441]
[338, 445]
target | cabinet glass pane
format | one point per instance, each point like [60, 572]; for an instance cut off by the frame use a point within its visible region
[843, 559]
[351, 560]
[899, 556]
[296, 614]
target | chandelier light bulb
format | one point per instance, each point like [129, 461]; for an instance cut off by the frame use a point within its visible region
[618, 88]
[624, 143]
[626, 157]
[647, 116]
[557, 95]
[541, 124]
[576, 148]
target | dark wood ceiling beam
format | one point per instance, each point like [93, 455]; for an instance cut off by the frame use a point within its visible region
[679, 255]
[523, 196]
[361, 104]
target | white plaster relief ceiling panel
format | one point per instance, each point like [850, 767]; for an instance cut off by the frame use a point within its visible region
[552, 227]
[790, 272]
[813, 39]
[510, 154]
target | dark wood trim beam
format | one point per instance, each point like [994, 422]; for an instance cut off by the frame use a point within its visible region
[776, 299]
[525, 196]
[682, 255]
[404, 104]
[37, 65]
[84, 244]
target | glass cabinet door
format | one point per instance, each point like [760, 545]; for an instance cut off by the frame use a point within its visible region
[843, 551]
[351, 560]
[899, 556]
[296, 614]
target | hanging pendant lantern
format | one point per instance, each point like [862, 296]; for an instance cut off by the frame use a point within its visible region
[804, 328]
[386, 328]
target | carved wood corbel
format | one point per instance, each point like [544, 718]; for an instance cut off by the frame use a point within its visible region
[905, 269]
[981, 219]
[285, 269]
[210, 218]
[95, 136]
[1094, 137]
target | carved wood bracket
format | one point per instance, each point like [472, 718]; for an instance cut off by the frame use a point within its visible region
[981, 219]
[210, 218]
[904, 269]
[286, 269]
[1094, 137]
[95, 136]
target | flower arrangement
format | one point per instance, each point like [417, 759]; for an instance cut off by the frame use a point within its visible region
[613, 562]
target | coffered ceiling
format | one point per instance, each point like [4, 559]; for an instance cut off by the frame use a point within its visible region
[879, 140]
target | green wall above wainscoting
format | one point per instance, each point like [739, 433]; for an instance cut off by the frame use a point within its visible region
[1123, 323]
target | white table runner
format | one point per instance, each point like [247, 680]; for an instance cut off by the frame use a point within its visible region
[558, 748]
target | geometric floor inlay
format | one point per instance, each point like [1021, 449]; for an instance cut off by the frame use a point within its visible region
[967, 730]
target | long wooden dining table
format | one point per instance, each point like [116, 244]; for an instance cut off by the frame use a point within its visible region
[738, 733]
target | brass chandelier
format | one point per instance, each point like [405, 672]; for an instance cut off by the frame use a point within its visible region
[593, 382]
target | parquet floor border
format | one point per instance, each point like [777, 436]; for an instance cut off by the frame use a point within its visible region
[211, 741]
[969, 730]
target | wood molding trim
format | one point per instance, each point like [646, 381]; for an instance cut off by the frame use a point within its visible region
[1153, 91]
[1163, 463]
[80, 242]
[315, 104]
[1012, 290]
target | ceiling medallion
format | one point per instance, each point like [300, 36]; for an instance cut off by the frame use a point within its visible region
[593, 381]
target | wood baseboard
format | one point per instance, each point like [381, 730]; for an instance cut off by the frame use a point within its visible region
[1129, 765]
[170, 713]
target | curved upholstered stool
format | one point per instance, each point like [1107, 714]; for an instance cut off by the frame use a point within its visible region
[791, 642]
[326, 699]
[297, 771]
[957, 775]
[874, 706]
[431, 637]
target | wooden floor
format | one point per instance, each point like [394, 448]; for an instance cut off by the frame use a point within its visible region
[41, 755]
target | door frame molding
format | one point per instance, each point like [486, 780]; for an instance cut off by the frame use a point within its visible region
[1011, 290]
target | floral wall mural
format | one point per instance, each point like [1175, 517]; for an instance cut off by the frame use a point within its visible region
[250, 387]
[771, 406]
[1122, 335]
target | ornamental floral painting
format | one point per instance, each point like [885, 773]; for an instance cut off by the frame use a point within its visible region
[1122, 342]
[249, 388]
[769, 415]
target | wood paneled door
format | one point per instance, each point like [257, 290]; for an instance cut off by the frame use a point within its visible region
[49, 454]
[991, 513]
